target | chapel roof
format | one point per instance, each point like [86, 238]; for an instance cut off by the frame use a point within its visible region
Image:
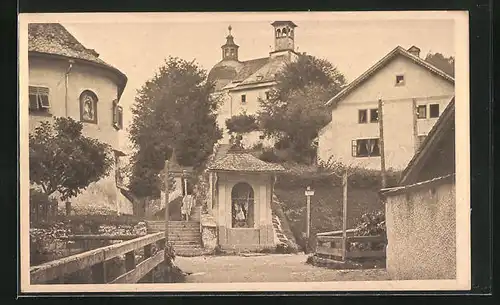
[54, 39]
[243, 162]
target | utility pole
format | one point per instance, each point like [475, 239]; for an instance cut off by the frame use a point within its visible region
[344, 215]
[185, 199]
[415, 127]
[166, 256]
[381, 142]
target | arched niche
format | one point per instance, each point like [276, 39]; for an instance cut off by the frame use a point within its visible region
[242, 206]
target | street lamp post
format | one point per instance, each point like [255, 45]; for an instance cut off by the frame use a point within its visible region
[309, 192]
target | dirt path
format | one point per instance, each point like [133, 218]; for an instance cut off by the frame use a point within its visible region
[267, 268]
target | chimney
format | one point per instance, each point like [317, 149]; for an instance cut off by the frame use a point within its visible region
[414, 51]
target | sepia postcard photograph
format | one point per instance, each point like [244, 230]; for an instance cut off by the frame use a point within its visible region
[251, 151]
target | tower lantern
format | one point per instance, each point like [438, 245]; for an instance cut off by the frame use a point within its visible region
[230, 49]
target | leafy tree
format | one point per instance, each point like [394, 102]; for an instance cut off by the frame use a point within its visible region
[172, 110]
[63, 160]
[445, 64]
[296, 111]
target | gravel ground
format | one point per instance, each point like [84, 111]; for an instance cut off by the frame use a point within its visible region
[267, 268]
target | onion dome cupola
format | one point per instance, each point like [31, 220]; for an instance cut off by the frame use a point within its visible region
[230, 49]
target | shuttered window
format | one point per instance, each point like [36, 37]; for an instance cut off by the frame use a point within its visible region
[38, 98]
[365, 148]
[117, 115]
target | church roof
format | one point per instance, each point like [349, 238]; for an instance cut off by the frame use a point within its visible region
[250, 67]
[267, 72]
[54, 39]
[243, 162]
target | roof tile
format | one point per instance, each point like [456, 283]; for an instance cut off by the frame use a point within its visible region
[243, 162]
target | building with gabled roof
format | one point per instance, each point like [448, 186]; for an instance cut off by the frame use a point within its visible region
[413, 93]
[421, 210]
[67, 79]
[240, 84]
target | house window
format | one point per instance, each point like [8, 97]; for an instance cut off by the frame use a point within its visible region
[39, 99]
[421, 112]
[400, 80]
[117, 115]
[242, 206]
[373, 115]
[365, 148]
[434, 110]
[243, 99]
[88, 107]
[362, 116]
[268, 95]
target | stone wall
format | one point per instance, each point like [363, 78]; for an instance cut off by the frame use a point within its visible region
[421, 230]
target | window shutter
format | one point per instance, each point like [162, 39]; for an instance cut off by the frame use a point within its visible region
[44, 101]
[33, 102]
[115, 113]
[354, 148]
[120, 117]
[43, 90]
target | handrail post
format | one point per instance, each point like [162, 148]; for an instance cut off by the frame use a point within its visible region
[147, 254]
[129, 261]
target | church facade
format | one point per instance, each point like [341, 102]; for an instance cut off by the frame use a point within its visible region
[242, 84]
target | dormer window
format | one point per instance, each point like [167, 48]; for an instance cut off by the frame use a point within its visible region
[38, 99]
[259, 77]
[400, 80]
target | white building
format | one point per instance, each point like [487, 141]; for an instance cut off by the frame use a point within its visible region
[68, 80]
[241, 84]
[413, 92]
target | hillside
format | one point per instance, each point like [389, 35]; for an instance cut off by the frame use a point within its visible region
[326, 204]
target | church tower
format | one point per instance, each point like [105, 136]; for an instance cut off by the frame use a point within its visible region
[284, 32]
[230, 49]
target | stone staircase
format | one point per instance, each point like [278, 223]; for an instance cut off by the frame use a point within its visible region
[185, 236]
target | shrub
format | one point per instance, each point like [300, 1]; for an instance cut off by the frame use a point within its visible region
[268, 155]
[242, 123]
[371, 224]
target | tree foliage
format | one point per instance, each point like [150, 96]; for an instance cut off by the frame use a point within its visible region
[64, 160]
[296, 110]
[172, 110]
[242, 123]
[445, 64]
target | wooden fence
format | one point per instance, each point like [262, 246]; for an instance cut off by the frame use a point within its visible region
[331, 247]
[96, 260]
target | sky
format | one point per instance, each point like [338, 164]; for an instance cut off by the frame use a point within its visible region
[139, 46]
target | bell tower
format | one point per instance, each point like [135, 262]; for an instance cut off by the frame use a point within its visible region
[230, 49]
[284, 35]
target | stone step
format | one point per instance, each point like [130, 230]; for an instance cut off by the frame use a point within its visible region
[179, 237]
[186, 243]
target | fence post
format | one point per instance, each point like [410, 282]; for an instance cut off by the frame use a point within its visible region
[344, 216]
[129, 261]
[98, 273]
[147, 254]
